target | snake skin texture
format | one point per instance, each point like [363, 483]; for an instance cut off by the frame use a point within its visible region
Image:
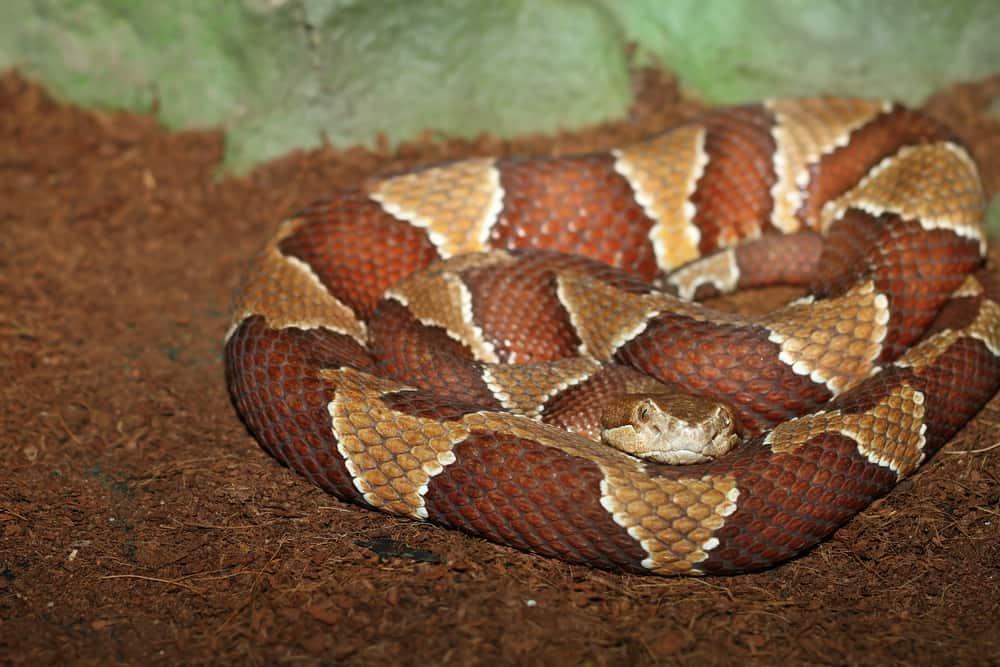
[432, 345]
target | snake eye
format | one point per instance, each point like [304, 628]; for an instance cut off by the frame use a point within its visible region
[643, 414]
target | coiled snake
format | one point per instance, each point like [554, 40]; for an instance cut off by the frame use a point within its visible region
[463, 391]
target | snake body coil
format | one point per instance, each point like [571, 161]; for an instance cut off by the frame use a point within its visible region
[451, 391]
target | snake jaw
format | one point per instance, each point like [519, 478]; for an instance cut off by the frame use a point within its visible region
[676, 429]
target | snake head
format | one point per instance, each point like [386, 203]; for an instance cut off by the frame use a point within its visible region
[673, 428]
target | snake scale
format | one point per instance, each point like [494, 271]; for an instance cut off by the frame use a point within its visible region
[431, 345]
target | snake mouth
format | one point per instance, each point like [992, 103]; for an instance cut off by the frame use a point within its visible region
[628, 440]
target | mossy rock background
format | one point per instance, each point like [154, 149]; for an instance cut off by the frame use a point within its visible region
[284, 75]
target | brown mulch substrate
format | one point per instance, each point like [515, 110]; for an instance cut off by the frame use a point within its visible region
[140, 523]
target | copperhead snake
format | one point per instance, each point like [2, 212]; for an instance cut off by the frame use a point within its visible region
[423, 346]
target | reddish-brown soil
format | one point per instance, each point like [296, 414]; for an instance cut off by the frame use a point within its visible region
[140, 524]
